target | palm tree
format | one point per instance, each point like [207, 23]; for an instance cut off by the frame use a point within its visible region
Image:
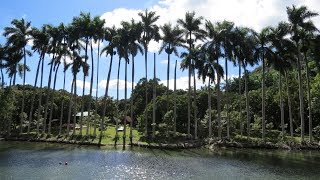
[244, 51]
[65, 68]
[172, 38]
[12, 65]
[213, 46]
[61, 51]
[82, 23]
[74, 46]
[18, 35]
[98, 38]
[54, 45]
[2, 51]
[308, 37]
[264, 52]
[134, 30]
[191, 28]
[97, 31]
[175, 100]
[110, 35]
[299, 20]
[150, 31]
[209, 67]
[122, 39]
[280, 60]
[40, 44]
[190, 60]
[225, 30]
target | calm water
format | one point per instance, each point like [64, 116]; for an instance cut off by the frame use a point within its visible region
[41, 161]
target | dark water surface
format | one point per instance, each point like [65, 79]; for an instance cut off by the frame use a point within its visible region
[24, 160]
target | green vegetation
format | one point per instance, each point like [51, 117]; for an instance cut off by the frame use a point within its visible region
[276, 102]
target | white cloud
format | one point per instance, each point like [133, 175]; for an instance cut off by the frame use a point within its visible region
[255, 14]
[80, 84]
[115, 17]
[164, 62]
[252, 13]
[154, 46]
[113, 84]
[182, 82]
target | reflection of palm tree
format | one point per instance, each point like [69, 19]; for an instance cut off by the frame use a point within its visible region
[18, 36]
[149, 31]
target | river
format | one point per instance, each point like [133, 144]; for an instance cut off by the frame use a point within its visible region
[27, 160]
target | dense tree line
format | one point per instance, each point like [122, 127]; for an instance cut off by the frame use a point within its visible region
[281, 94]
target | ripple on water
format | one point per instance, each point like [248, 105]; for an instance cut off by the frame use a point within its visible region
[41, 161]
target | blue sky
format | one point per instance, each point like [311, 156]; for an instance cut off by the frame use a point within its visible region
[253, 13]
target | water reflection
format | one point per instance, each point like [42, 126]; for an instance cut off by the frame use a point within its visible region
[41, 161]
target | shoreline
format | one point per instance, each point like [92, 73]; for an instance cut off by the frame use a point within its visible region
[213, 145]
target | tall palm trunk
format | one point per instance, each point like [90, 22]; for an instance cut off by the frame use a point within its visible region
[118, 118]
[154, 98]
[175, 100]
[33, 96]
[23, 89]
[97, 87]
[309, 97]
[189, 103]
[47, 97]
[301, 94]
[263, 123]
[227, 99]
[209, 108]
[83, 88]
[125, 106]
[195, 105]
[90, 93]
[2, 77]
[105, 100]
[62, 104]
[70, 107]
[289, 104]
[14, 77]
[74, 106]
[189, 91]
[40, 96]
[219, 107]
[168, 76]
[247, 101]
[131, 105]
[52, 99]
[240, 101]
[146, 89]
[281, 106]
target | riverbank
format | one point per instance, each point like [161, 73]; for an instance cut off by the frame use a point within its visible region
[211, 144]
[169, 146]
